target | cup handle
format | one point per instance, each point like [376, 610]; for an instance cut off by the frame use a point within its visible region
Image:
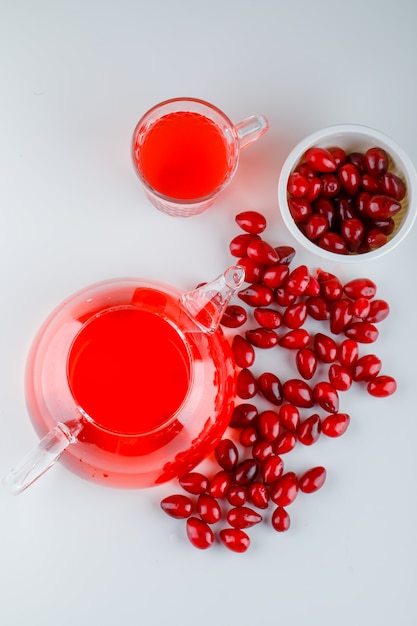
[250, 129]
[40, 459]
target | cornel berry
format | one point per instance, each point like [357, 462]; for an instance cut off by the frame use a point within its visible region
[273, 415]
[345, 203]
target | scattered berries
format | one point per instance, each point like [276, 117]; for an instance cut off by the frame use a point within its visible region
[278, 301]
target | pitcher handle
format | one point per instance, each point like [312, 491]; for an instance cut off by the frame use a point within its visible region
[40, 459]
[250, 129]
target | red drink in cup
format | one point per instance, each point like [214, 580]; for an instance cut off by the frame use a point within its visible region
[186, 151]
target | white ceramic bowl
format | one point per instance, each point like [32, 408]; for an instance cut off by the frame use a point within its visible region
[353, 138]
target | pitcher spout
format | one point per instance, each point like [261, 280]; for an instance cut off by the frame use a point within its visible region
[207, 303]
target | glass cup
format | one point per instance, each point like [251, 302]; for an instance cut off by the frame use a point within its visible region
[186, 151]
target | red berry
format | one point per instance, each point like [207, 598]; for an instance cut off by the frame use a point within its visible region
[361, 308]
[261, 450]
[178, 506]
[335, 425]
[285, 253]
[245, 473]
[270, 387]
[297, 185]
[269, 425]
[382, 386]
[295, 315]
[256, 295]
[370, 184]
[313, 287]
[361, 202]
[285, 443]
[378, 311]
[300, 209]
[253, 271]
[243, 517]
[284, 491]
[358, 159]
[239, 244]
[320, 160]
[234, 539]
[208, 508]
[338, 154]
[284, 297]
[341, 315]
[268, 318]
[194, 482]
[318, 308]
[309, 430]
[325, 348]
[272, 469]
[363, 332]
[289, 417]
[315, 226]
[366, 368]
[348, 352]
[375, 238]
[226, 454]
[386, 226]
[264, 338]
[248, 436]
[330, 286]
[280, 519]
[376, 162]
[298, 392]
[313, 479]
[243, 415]
[233, 316]
[393, 186]
[262, 253]
[251, 221]
[295, 339]
[340, 377]
[243, 351]
[219, 484]
[352, 231]
[258, 495]
[314, 188]
[245, 384]
[275, 275]
[306, 362]
[333, 242]
[237, 495]
[330, 185]
[360, 288]
[345, 210]
[199, 533]
[325, 207]
[326, 396]
[298, 280]
[349, 177]
[305, 170]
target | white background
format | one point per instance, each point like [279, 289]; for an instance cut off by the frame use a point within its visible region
[75, 76]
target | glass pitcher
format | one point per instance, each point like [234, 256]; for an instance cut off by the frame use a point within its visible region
[130, 382]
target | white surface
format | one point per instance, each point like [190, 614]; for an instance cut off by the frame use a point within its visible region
[75, 77]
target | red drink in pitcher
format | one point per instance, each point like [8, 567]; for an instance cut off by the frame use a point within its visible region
[184, 155]
[129, 370]
[123, 380]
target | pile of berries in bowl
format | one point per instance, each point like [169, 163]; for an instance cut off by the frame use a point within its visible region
[348, 193]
